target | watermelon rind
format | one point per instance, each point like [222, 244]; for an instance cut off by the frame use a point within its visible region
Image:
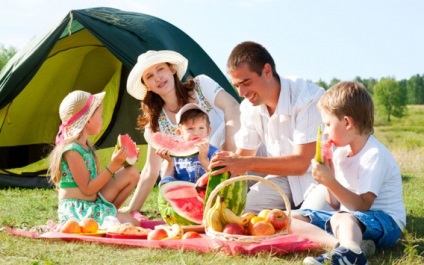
[176, 146]
[234, 194]
[169, 213]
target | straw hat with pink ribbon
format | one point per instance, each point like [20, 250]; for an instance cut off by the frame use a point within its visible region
[75, 110]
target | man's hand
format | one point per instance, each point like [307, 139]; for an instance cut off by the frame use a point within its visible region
[229, 162]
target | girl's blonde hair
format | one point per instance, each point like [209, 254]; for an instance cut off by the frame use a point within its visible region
[55, 159]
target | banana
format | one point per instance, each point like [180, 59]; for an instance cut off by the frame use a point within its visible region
[175, 232]
[214, 215]
[247, 217]
[230, 217]
[318, 156]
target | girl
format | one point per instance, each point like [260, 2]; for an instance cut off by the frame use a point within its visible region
[85, 190]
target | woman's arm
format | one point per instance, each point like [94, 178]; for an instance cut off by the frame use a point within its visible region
[148, 178]
[231, 109]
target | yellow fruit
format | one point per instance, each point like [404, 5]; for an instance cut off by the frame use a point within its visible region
[318, 156]
[89, 225]
[253, 221]
[71, 226]
[264, 213]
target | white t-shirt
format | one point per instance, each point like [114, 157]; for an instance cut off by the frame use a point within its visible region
[375, 170]
[205, 91]
[295, 121]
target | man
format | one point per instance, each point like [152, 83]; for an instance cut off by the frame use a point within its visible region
[279, 114]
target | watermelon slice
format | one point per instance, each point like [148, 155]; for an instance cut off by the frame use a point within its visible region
[176, 146]
[327, 149]
[179, 203]
[126, 141]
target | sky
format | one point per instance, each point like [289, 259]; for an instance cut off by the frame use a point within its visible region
[317, 40]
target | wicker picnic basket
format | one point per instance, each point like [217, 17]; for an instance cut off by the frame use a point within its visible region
[245, 239]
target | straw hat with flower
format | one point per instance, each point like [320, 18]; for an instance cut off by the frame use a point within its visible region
[135, 86]
[75, 110]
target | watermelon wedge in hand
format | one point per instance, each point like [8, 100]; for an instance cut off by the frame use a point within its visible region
[327, 150]
[176, 146]
[124, 140]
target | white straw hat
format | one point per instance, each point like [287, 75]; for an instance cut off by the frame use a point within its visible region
[75, 110]
[134, 85]
[185, 108]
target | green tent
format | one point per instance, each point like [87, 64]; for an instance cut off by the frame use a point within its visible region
[90, 49]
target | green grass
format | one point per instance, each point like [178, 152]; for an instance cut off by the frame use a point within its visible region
[26, 208]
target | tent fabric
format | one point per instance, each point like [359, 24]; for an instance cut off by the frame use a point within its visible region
[90, 49]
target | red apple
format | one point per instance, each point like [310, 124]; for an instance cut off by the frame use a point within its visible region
[157, 234]
[234, 229]
[191, 234]
[278, 218]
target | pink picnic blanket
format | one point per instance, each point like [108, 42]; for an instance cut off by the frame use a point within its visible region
[278, 245]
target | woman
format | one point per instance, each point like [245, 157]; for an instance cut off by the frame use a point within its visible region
[156, 81]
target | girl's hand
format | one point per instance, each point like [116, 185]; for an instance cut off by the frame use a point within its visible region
[119, 156]
[164, 154]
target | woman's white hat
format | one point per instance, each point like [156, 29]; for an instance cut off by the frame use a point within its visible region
[134, 85]
[75, 110]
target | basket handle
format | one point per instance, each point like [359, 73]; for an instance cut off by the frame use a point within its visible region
[230, 181]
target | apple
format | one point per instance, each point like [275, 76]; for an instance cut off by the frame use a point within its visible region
[157, 234]
[262, 228]
[191, 234]
[278, 218]
[234, 229]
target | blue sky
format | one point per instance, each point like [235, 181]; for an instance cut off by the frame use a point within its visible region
[313, 39]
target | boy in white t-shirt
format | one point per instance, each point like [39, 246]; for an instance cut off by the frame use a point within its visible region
[363, 181]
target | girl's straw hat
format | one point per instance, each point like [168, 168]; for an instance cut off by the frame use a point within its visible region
[134, 85]
[75, 110]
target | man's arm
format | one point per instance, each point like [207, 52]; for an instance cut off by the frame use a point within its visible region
[242, 161]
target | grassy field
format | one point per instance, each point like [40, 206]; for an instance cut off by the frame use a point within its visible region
[25, 208]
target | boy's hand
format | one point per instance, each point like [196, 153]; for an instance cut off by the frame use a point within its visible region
[164, 154]
[323, 173]
[203, 149]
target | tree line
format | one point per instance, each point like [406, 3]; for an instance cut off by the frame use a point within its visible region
[390, 95]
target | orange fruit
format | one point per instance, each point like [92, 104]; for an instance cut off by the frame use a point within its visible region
[89, 225]
[262, 228]
[253, 221]
[71, 226]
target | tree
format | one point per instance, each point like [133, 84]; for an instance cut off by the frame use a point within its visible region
[415, 89]
[6, 54]
[322, 84]
[390, 97]
[333, 82]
